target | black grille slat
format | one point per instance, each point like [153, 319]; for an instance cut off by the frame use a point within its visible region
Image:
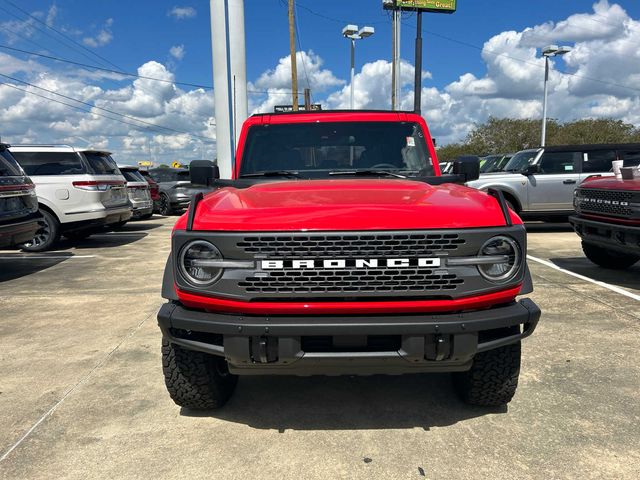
[387, 280]
[351, 245]
[601, 201]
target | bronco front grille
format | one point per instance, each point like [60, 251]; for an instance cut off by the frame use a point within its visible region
[341, 245]
[609, 202]
[355, 282]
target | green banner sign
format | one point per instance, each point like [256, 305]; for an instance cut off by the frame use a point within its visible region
[438, 6]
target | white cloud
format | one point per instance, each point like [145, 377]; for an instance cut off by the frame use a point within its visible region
[178, 52]
[102, 38]
[181, 13]
[51, 15]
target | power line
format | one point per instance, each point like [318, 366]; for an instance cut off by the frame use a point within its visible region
[151, 124]
[61, 34]
[482, 49]
[109, 70]
[35, 27]
[126, 74]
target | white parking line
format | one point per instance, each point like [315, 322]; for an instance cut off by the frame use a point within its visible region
[69, 391]
[613, 288]
[41, 257]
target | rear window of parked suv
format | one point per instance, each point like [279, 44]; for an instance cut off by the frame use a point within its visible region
[8, 165]
[50, 163]
[132, 175]
[101, 164]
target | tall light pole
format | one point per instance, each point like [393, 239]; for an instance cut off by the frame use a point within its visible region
[548, 51]
[352, 33]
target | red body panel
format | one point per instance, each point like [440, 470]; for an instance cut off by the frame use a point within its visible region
[333, 205]
[345, 205]
[611, 183]
[347, 308]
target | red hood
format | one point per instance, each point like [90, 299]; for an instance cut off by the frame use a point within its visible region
[612, 183]
[346, 205]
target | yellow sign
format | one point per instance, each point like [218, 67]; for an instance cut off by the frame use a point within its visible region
[176, 164]
[438, 6]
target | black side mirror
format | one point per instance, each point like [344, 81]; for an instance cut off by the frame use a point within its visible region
[467, 166]
[531, 170]
[203, 172]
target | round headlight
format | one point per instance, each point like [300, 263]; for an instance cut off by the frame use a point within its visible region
[197, 262]
[501, 271]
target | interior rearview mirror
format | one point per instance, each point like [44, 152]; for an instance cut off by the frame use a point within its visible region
[467, 166]
[203, 172]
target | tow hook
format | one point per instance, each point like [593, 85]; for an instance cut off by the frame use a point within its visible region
[264, 349]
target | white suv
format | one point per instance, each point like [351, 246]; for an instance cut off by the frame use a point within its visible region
[79, 190]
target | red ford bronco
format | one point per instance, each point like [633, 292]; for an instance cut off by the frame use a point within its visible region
[339, 248]
[608, 220]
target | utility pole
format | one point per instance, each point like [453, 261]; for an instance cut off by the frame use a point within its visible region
[417, 98]
[396, 16]
[307, 99]
[292, 49]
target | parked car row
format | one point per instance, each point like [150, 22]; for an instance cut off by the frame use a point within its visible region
[539, 183]
[72, 192]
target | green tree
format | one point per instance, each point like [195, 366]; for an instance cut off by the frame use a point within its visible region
[505, 135]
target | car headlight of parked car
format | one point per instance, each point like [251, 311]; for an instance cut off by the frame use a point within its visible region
[200, 263]
[501, 272]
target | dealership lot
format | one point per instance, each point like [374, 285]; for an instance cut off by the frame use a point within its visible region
[82, 392]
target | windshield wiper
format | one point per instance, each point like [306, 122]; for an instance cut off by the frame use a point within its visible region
[367, 172]
[272, 173]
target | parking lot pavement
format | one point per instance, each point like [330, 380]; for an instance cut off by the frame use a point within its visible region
[82, 393]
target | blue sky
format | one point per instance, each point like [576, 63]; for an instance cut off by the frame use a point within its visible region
[481, 61]
[136, 41]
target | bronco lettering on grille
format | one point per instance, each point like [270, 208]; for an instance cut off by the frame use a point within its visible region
[342, 263]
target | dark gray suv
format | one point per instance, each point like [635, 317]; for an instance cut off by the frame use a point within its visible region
[176, 189]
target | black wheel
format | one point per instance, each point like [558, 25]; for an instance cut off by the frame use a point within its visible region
[196, 380]
[78, 235]
[493, 378]
[164, 205]
[608, 258]
[46, 236]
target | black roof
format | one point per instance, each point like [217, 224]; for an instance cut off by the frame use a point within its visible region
[591, 146]
[301, 112]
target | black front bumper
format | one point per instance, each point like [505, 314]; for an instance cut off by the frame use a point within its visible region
[276, 345]
[19, 231]
[621, 238]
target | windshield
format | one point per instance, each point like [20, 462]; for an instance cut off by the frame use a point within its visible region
[487, 164]
[319, 150]
[8, 165]
[101, 164]
[521, 160]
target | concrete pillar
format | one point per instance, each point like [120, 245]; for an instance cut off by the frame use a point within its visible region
[229, 78]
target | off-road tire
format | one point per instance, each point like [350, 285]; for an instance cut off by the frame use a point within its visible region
[196, 380]
[493, 378]
[164, 205]
[47, 236]
[608, 258]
